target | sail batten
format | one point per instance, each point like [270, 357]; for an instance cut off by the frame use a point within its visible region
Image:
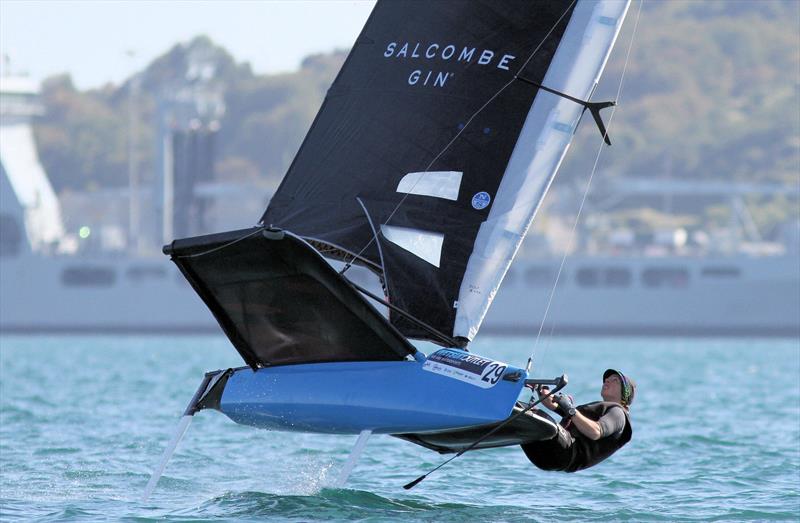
[421, 128]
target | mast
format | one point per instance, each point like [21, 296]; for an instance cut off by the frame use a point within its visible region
[542, 145]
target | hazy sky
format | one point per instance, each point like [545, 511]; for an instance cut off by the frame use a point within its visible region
[91, 39]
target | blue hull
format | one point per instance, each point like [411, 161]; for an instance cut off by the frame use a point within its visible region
[383, 397]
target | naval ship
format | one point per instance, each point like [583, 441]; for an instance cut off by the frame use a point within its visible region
[48, 284]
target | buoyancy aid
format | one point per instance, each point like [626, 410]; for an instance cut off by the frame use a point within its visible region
[587, 452]
[570, 450]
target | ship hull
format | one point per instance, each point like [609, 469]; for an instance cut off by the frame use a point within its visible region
[728, 296]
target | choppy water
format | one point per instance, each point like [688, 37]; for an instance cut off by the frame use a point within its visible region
[83, 421]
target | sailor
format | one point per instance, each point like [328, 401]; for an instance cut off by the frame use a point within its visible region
[589, 433]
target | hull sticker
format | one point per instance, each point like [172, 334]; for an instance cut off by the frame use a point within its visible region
[466, 367]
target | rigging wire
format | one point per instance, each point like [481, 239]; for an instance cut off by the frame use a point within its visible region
[547, 344]
[257, 230]
[460, 131]
[586, 192]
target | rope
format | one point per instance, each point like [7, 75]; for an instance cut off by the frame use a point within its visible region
[223, 246]
[586, 192]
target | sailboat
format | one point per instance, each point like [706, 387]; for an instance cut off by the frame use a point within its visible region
[426, 164]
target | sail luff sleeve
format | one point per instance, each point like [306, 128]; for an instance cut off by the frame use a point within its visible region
[575, 70]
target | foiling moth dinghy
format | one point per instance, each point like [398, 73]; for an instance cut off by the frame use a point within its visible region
[426, 164]
[322, 359]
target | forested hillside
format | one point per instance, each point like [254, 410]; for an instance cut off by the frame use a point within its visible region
[710, 92]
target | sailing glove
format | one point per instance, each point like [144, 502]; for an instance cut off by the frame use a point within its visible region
[565, 404]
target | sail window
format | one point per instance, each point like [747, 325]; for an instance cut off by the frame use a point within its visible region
[425, 244]
[439, 184]
[88, 276]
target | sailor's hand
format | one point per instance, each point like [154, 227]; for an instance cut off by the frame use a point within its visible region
[545, 398]
[565, 402]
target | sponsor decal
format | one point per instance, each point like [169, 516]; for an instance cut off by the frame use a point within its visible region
[481, 200]
[466, 367]
[432, 62]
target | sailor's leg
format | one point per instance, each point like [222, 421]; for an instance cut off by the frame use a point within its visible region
[552, 454]
[361, 442]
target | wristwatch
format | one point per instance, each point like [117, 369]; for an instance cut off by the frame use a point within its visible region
[571, 411]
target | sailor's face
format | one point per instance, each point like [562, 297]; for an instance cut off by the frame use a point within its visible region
[612, 389]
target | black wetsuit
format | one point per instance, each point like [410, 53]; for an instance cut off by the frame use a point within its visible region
[570, 450]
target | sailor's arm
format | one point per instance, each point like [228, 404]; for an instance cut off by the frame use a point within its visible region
[612, 422]
[590, 429]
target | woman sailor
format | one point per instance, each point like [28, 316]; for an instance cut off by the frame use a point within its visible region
[589, 433]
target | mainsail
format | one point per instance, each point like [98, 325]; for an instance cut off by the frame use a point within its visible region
[434, 146]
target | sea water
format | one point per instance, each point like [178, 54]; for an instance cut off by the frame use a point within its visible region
[84, 421]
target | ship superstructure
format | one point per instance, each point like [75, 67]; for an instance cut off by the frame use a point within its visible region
[25, 187]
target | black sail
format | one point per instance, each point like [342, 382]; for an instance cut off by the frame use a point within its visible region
[427, 88]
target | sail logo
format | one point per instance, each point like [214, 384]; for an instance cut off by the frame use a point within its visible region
[481, 200]
[433, 52]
